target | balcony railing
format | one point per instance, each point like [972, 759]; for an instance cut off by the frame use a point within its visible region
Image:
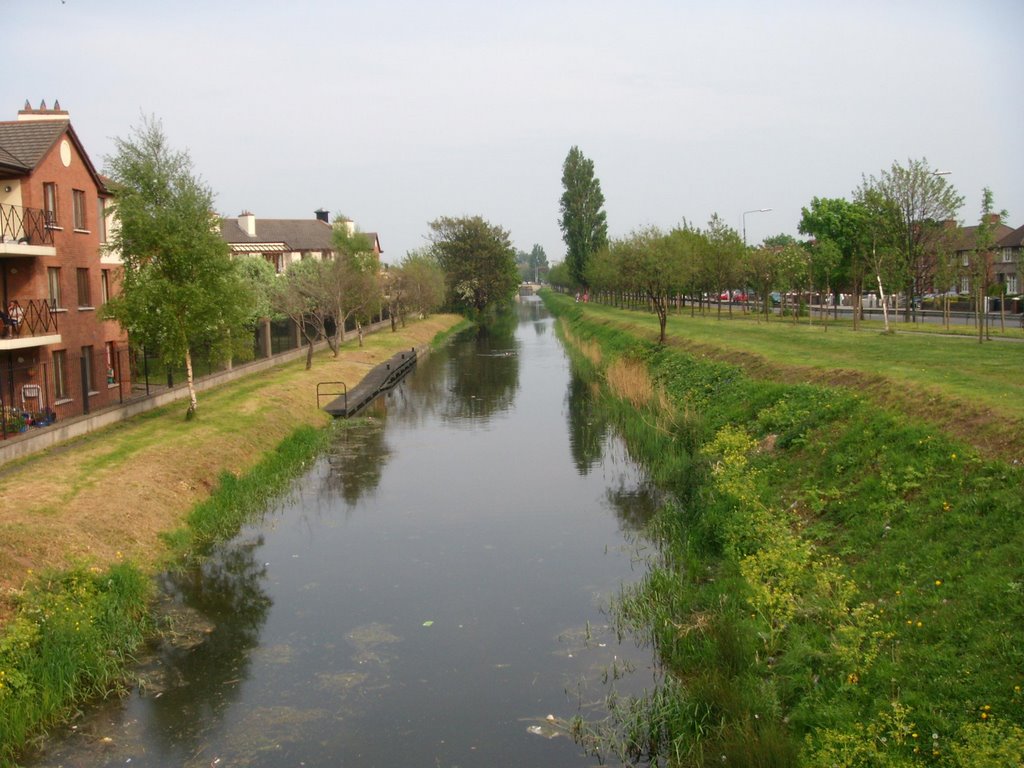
[25, 318]
[24, 225]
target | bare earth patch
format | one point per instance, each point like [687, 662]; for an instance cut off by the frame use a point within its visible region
[110, 495]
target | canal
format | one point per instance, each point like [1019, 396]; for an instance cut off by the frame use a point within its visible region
[430, 593]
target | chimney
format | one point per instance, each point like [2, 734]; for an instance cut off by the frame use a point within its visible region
[322, 215]
[247, 221]
[27, 113]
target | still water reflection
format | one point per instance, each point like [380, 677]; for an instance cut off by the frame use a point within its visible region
[427, 595]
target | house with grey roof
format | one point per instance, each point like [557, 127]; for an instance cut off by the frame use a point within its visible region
[283, 242]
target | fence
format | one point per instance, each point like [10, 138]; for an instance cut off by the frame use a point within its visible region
[35, 394]
[39, 392]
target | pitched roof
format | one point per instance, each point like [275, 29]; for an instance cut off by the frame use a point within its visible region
[24, 143]
[297, 234]
[968, 236]
[1013, 239]
[27, 141]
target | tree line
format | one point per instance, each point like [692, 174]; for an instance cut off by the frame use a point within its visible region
[180, 289]
[897, 234]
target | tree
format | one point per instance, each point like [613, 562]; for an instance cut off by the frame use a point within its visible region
[724, 247]
[355, 278]
[791, 273]
[583, 220]
[761, 270]
[778, 241]
[921, 196]
[261, 278]
[180, 289]
[559, 276]
[478, 260]
[881, 222]
[840, 222]
[981, 259]
[538, 263]
[423, 281]
[301, 294]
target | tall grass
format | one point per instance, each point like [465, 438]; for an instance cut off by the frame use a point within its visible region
[236, 500]
[836, 584]
[72, 635]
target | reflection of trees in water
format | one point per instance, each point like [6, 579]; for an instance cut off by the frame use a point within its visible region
[357, 456]
[483, 370]
[588, 426]
[421, 394]
[533, 310]
[479, 376]
[202, 680]
[634, 505]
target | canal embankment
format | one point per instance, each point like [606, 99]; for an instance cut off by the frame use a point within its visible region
[838, 580]
[83, 523]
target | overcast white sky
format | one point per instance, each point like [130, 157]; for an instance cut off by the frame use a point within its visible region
[395, 113]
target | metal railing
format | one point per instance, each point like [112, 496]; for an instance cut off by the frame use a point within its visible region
[330, 389]
[37, 393]
[28, 317]
[25, 225]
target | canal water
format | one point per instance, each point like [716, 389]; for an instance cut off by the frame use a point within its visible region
[433, 592]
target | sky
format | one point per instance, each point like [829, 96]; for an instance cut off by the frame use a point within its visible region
[395, 113]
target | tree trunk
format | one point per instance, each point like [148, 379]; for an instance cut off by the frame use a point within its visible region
[190, 379]
[881, 297]
[309, 354]
[981, 316]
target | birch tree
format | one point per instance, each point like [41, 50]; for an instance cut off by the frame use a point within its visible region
[180, 288]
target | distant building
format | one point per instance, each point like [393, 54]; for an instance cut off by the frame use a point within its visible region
[1001, 262]
[56, 355]
[283, 242]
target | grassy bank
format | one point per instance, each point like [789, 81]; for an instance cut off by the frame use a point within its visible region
[839, 580]
[968, 390]
[74, 631]
[111, 508]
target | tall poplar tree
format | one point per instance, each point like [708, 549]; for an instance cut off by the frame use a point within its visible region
[583, 221]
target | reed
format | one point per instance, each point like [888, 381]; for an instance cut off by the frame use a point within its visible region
[237, 500]
[70, 639]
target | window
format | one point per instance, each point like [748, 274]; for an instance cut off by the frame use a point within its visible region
[78, 207]
[50, 204]
[965, 285]
[1011, 284]
[101, 218]
[88, 379]
[84, 294]
[104, 286]
[965, 258]
[1007, 255]
[53, 278]
[60, 375]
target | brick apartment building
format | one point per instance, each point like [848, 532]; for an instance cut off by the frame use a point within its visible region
[57, 357]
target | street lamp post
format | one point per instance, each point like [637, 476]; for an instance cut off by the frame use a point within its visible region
[755, 210]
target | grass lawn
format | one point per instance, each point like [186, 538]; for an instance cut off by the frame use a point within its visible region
[975, 391]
